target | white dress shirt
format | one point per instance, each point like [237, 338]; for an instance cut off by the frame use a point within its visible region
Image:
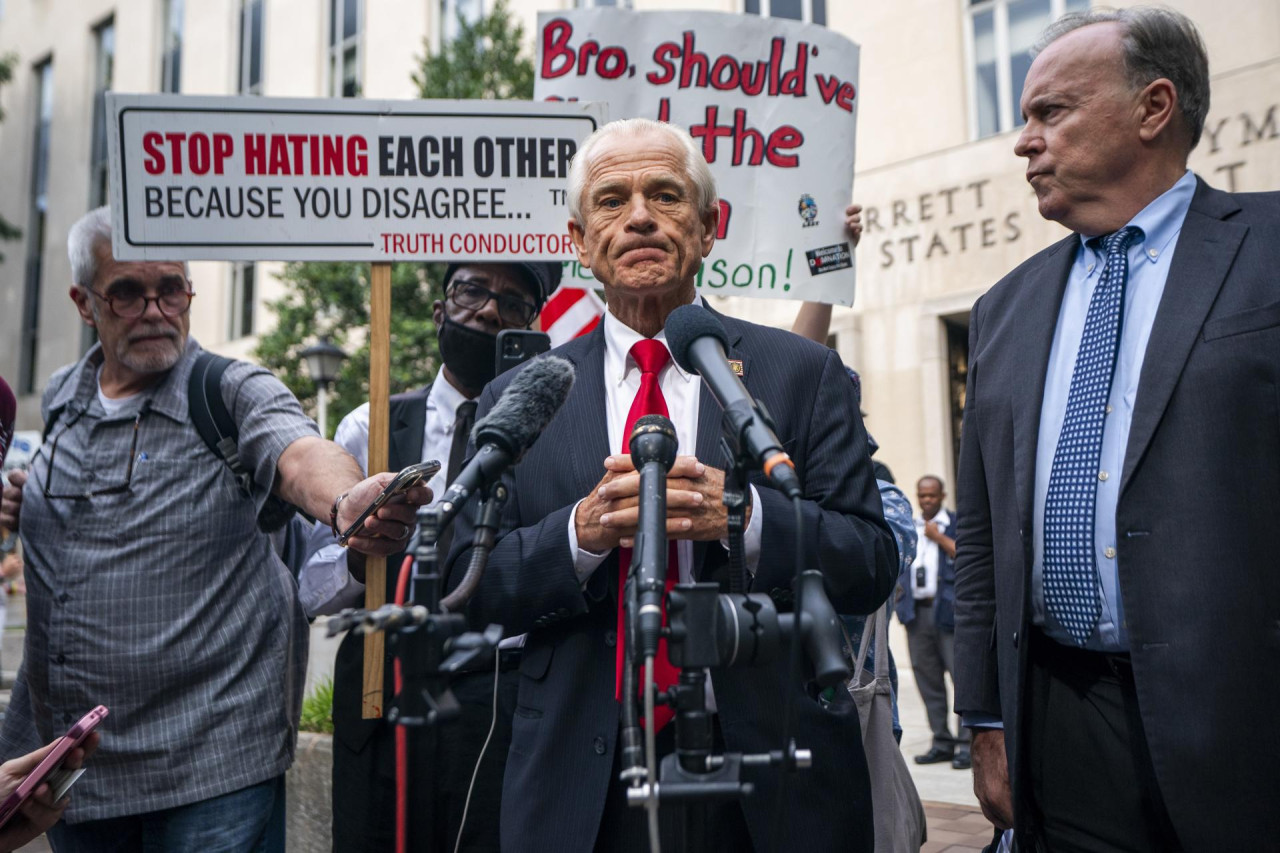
[681, 390]
[927, 555]
[325, 585]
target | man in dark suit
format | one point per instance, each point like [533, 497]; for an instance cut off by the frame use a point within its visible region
[1116, 600]
[925, 601]
[644, 213]
[434, 422]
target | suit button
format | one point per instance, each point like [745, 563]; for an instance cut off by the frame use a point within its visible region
[1015, 639]
[611, 638]
[61, 659]
[599, 746]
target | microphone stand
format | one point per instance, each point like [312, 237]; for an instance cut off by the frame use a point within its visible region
[737, 498]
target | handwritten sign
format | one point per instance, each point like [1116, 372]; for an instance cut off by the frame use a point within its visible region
[212, 178]
[773, 105]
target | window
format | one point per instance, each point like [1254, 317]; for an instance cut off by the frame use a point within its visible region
[242, 300]
[104, 37]
[810, 11]
[1000, 36]
[171, 47]
[36, 230]
[344, 48]
[249, 79]
[472, 11]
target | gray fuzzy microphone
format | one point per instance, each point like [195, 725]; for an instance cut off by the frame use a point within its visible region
[511, 427]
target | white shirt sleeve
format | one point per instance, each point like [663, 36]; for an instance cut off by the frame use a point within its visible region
[752, 535]
[325, 584]
[586, 562]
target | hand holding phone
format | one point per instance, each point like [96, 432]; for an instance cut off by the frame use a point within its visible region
[405, 480]
[51, 770]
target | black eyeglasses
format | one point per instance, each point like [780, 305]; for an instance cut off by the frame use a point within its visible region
[129, 301]
[110, 490]
[513, 310]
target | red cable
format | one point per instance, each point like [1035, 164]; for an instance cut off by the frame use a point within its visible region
[402, 736]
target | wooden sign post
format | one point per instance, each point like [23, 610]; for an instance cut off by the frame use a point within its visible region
[375, 572]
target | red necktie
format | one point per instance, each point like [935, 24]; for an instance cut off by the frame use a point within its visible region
[651, 356]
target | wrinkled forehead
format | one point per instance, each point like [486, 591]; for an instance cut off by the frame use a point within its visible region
[650, 156]
[110, 270]
[150, 274]
[1080, 61]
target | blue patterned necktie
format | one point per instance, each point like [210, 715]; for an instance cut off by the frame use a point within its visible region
[1070, 559]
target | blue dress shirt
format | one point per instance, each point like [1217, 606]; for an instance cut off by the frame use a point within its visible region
[1149, 259]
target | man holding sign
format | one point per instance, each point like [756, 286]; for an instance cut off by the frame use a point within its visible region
[644, 216]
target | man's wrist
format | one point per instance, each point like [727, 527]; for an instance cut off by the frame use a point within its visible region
[333, 514]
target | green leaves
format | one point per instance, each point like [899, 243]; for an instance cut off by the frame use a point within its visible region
[484, 61]
[333, 299]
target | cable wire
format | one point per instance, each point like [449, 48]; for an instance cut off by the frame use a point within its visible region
[493, 724]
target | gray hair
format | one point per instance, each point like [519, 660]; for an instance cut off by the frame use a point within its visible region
[90, 230]
[695, 164]
[1157, 43]
[84, 237]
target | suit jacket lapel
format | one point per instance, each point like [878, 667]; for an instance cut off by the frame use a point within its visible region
[408, 426]
[586, 405]
[1207, 247]
[710, 420]
[1037, 319]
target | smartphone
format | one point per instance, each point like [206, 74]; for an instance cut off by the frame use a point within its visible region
[405, 480]
[516, 346]
[51, 768]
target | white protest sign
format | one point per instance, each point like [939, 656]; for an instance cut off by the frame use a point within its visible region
[772, 103]
[214, 178]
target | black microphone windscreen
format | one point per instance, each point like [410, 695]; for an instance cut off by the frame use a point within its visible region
[8, 414]
[527, 406]
[684, 326]
[655, 421]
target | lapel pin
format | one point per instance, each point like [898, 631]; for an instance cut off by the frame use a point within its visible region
[735, 364]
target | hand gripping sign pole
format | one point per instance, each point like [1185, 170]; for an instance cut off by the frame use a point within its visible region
[292, 179]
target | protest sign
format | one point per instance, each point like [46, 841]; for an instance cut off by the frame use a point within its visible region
[773, 105]
[283, 179]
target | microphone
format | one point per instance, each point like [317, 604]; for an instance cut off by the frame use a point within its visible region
[8, 414]
[511, 427]
[653, 450]
[698, 343]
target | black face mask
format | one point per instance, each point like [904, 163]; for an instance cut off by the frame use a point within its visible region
[471, 356]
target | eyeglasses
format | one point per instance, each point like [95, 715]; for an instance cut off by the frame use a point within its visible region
[110, 490]
[513, 310]
[129, 300]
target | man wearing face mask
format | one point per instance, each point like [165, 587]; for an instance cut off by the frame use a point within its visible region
[431, 423]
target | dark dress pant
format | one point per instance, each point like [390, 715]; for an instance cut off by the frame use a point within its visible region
[1092, 783]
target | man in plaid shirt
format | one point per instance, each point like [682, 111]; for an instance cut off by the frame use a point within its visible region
[151, 588]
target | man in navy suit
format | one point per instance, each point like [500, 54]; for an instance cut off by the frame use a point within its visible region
[1117, 601]
[644, 214]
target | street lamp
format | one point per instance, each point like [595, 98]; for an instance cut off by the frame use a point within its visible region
[324, 360]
